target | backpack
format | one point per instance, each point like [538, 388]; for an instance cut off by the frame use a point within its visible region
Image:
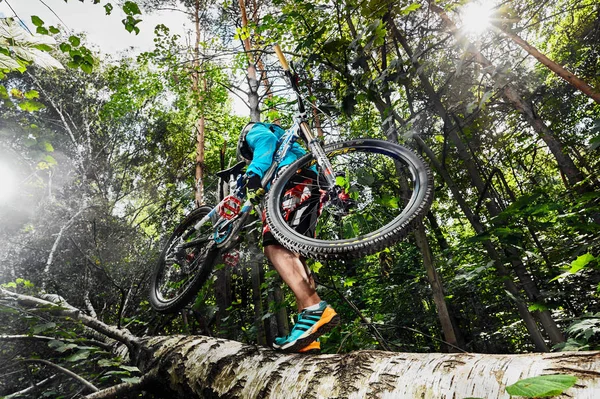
[244, 152]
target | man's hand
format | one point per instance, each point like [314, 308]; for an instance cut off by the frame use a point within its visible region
[254, 188]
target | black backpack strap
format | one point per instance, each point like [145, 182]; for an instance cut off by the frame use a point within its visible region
[243, 149]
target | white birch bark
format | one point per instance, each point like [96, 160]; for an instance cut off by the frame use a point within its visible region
[200, 366]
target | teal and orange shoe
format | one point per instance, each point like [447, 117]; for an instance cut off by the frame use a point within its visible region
[312, 348]
[311, 325]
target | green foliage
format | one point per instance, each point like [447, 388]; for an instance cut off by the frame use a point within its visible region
[18, 48]
[542, 386]
[583, 334]
[131, 9]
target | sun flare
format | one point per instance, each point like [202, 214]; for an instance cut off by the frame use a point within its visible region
[476, 16]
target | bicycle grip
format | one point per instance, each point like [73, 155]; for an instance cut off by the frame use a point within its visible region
[281, 57]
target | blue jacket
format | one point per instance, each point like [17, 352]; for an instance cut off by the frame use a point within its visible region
[263, 139]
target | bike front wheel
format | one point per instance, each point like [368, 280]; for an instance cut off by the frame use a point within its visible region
[185, 263]
[382, 189]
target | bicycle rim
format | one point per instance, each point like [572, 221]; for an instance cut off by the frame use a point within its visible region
[389, 187]
[184, 265]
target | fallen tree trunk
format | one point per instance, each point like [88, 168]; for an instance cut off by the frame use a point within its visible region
[199, 367]
[204, 367]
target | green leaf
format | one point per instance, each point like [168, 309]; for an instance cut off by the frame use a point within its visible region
[80, 355]
[67, 347]
[74, 40]
[49, 159]
[410, 8]
[388, 201]
[542, 386]
[538, 307]
[16, 93]
[108, 363]
[37, 21]
[31, 106]
[108, 8]
[65, 47]
[316, 266]
[31, 94]
[9, 63]
[364, 177]
[44, 47]
[130, 24]
[131, 8]
[131, 380]
[349, 282]
[47, 146]
[41, 30]
[130, 368]
[43, 327]
[581, 262]
[54, 30]
[341, 181]
[55, 344]
[595, 143]
[86, 67]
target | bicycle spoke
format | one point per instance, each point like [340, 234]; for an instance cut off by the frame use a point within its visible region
[184, 265]
[376, 190]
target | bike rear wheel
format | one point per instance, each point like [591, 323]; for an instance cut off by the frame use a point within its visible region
[389, 188]
[185, 263]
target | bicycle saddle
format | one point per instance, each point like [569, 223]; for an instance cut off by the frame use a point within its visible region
[233, 171]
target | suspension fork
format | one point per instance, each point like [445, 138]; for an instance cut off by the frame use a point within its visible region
[317, 150]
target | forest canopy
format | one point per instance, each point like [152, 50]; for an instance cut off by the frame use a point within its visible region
[101, 156]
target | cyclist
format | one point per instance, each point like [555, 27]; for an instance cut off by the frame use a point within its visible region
[258, 143]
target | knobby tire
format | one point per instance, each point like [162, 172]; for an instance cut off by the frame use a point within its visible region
[174, 284]
[392, 190]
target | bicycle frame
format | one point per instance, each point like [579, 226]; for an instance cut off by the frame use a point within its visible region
[299, 129]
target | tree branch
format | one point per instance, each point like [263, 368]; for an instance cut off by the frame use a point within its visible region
[124, 388]
[94, 342]
[63, 370]
[32, 389]
[61, 308]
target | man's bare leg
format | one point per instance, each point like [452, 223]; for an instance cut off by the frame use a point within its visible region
[293, 272]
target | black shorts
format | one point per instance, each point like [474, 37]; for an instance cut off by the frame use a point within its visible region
[301, 203]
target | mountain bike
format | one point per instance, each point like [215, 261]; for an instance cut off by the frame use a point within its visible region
[370, 193]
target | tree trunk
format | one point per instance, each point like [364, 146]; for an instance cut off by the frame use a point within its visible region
[437, 289]
[200, 122]
[256, 264]
[281, 315]
[202, 367]
[253, 82]
[222, 288]
[553, 66]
